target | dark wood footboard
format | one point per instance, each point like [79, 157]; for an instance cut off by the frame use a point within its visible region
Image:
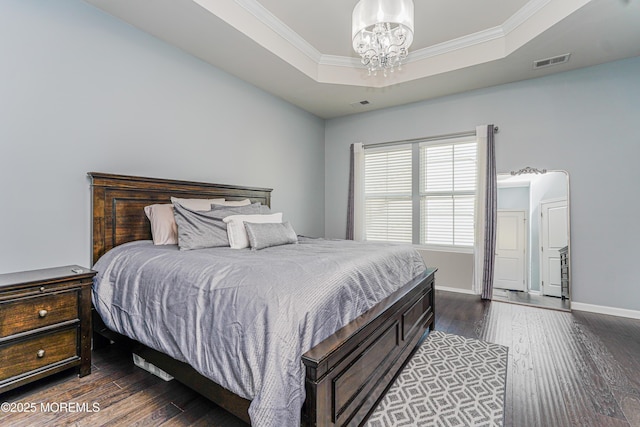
[349, 372]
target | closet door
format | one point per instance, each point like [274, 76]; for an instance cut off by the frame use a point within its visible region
[510, 265]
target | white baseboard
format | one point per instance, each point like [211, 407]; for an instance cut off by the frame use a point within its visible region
[458, 290]
[601, 309]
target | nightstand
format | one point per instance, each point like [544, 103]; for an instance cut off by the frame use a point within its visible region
[45, 324]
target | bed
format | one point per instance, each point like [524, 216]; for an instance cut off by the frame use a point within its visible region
[345, 375]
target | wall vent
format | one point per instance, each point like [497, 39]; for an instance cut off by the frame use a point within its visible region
[548, 62]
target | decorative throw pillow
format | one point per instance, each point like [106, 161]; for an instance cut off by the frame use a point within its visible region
[197, 229]
[270, 234]
[236, 232]
[164, 230]
[196, 204]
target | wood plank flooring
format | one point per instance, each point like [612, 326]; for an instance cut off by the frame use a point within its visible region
[526, 298]
[565, 369]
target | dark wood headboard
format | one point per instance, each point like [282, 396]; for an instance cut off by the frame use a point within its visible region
[118, 201]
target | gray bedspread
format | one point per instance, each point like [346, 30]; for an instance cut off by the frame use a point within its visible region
[244, 318]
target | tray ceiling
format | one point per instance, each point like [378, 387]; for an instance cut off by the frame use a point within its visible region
[300, 50]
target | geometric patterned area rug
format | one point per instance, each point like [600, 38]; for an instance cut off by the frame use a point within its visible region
[450, 381]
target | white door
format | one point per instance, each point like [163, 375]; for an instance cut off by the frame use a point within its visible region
[553, 237]
[509, 269]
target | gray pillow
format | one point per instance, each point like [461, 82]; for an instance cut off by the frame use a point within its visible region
[217, 207]
[205, 229]
[270, 234]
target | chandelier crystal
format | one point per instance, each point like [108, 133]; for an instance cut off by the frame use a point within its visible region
[382, 32]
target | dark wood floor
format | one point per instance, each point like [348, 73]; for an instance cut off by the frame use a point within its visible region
[565, 369]
[526, 298]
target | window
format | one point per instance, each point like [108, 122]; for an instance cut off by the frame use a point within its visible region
[422, 193]
[388, 194]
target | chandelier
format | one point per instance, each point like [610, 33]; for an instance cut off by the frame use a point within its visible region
[382, 32]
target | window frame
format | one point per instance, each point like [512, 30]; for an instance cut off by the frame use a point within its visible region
[417, 193]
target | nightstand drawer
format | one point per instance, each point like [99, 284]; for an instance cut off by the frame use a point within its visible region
[45, 324]
[36, 312]
[31, 354]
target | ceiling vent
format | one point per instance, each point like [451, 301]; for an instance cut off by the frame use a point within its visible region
[360, 104]
[560, 59]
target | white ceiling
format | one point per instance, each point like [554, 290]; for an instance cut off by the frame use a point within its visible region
[300, 50]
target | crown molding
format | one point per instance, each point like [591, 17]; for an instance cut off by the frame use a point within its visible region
[490, 34]
[339, 61]
[523, 14]
[280, 28]
[333, 68]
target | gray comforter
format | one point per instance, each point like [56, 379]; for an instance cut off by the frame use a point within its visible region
[244, 318]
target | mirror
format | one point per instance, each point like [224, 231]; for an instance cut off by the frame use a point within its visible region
[533, 239]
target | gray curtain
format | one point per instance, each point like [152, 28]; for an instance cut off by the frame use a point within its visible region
[350, 203]
[491, 216]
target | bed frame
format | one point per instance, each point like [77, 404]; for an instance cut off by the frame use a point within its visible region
[346, 375]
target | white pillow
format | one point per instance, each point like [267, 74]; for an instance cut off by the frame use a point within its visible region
[238, 238]
[224, 202]
[196, 204]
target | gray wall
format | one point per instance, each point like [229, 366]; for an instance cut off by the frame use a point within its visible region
[584, 122]
[81, 91]
[514, 198]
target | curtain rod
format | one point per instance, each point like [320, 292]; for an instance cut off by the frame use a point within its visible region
[428, 138]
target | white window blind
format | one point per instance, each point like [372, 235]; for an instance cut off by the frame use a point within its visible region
[388, 194]
[442, 191]
[447, 193]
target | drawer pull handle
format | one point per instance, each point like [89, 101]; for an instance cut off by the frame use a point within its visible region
[42, 313]
[40, 353]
